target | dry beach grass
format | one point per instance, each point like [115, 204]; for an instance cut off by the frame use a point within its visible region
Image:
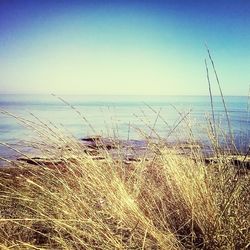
[169, 201]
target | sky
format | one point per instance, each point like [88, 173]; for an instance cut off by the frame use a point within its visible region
[123, 47]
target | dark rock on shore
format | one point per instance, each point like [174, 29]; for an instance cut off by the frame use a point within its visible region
[240, 161]
[40, 161]
[44, 162]
[99, 142]
[130, 151]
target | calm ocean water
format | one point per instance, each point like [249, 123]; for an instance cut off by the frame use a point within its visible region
[123, 116]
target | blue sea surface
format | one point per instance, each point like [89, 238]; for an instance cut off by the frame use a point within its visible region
[124, 117]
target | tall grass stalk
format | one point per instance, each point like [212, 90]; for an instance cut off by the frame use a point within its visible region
[223, 101]
[211, 102]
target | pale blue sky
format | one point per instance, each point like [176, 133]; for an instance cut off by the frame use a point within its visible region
[123, 47]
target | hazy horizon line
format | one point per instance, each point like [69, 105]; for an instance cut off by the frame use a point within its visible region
[58, 95]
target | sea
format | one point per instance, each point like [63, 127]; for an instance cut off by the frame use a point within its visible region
[123, 117]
